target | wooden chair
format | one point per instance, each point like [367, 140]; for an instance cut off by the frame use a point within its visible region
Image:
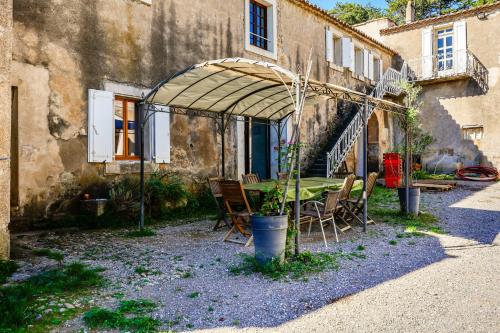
[323, 212]
[250, 178]
[343, 211]
[282, 175]
[238, 209]
[214, 184]
[355, 206]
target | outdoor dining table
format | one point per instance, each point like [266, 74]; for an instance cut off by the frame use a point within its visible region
[310, 188]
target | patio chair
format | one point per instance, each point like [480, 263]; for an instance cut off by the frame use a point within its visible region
[323, 212]
[345, 194]
[214, 184]
[282, 175]
[355, 206]
[250, 178]
[238, 209]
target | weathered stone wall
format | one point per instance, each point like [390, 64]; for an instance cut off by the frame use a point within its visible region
[450, 105]
[5, 110]
[64, 48]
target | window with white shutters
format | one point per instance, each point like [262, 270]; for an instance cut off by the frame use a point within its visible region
[100, 125]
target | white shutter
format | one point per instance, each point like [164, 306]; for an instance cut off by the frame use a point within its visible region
[346, 52]
[460, 48]
[353, 58]
[370, 67]
[100, 126]
[427, 62]
[148, 136]
[162, 135]
[380, 69]
[329, 46]
[366, 63]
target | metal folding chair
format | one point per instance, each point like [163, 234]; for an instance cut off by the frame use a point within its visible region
[214, 184]
[238, 209]
[323, 212]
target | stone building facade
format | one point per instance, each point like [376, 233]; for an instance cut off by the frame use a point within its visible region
[456, 59]
[63, 50]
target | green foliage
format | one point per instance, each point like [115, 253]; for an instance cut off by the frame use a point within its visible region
[295, 267]
[140, 233]
[272, 201]
[195, 294]
[393, 242]
[100, 318]
[58, 256]
[7, 268]
[124, 198]
[18, 302]
[136, 306]
[422, 174]
[354, 13]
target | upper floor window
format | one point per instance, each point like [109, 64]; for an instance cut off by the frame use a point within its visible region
[444, 49]
[126, 128]
[258, 25]
[358, 61]
[377, 64]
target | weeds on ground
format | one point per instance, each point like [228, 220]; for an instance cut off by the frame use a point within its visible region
[140, 233]
[295, 267]
[422, 174]
[100, 318]
[19, 302]
[7, 268]
[54, 255]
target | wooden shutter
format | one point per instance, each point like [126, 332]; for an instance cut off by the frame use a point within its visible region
[148, 136]
[366, 63]
[370, 67]
[353, 58]
[162, 135]
[381, 70]
[346, 52]
[329, 46]
[100, 126]
[460, 47]
[427, 62]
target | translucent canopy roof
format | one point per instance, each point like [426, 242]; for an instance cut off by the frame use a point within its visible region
[241, 87]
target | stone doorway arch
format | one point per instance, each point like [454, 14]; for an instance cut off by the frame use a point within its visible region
[373, 144]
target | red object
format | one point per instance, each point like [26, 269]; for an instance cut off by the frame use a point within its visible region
[393, 167]
[477, 173]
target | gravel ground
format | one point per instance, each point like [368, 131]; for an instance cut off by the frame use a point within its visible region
[393, 282]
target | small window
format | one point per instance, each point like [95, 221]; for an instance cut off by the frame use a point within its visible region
[337, 50]
[258, 25]
[126, 117]
[473, 133]
[358, 61]
[444, 49]
[376, 69]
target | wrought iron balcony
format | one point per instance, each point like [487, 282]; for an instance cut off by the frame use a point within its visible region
[459, 64]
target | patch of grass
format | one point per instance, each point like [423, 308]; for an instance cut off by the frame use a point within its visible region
[393, 242]
[360, 248]
[236, 322]
[140, 233]
[54, 255]
[195, 294]
[19, 302]
[295, 267]
[100, 318]
[7, 268]
[141, 270]
[189, 325]
[210, 309]
[422, 174]
[136, 306]
[187, 275]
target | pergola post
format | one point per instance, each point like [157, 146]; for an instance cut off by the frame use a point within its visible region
[223, 152]
[407, 169]
[279, 145]
[297, 169]
[142, 116]
[365, 163]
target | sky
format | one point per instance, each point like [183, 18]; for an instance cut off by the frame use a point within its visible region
[328, 4]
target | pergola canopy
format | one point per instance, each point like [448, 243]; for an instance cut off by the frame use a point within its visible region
[243, 87]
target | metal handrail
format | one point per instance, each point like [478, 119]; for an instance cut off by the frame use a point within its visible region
[387, 84]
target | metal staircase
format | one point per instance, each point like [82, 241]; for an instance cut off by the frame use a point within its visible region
[388, 84]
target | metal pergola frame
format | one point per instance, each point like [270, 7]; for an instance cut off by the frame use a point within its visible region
[298, 89]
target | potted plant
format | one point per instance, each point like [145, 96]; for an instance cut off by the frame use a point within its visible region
[269, 227]
[416, 141]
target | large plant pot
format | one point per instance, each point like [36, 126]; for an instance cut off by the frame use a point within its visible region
[269, 237]
[413, 199]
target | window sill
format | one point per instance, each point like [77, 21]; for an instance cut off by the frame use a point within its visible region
[336, 67]
[262, 52]
[119, 167]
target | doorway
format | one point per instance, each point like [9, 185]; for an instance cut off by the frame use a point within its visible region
[260, 158]
[14, 149]
[373, 144]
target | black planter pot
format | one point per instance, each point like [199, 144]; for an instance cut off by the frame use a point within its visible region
[269, 237]
[414, 199]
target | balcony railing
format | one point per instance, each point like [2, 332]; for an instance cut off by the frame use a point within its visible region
[460, 64]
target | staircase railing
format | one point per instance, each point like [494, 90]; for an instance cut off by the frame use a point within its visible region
[387, 84]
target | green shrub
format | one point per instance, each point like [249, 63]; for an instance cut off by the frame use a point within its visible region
[58, 256]
[7, 268]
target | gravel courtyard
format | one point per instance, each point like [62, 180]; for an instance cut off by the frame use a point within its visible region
[441, 282]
